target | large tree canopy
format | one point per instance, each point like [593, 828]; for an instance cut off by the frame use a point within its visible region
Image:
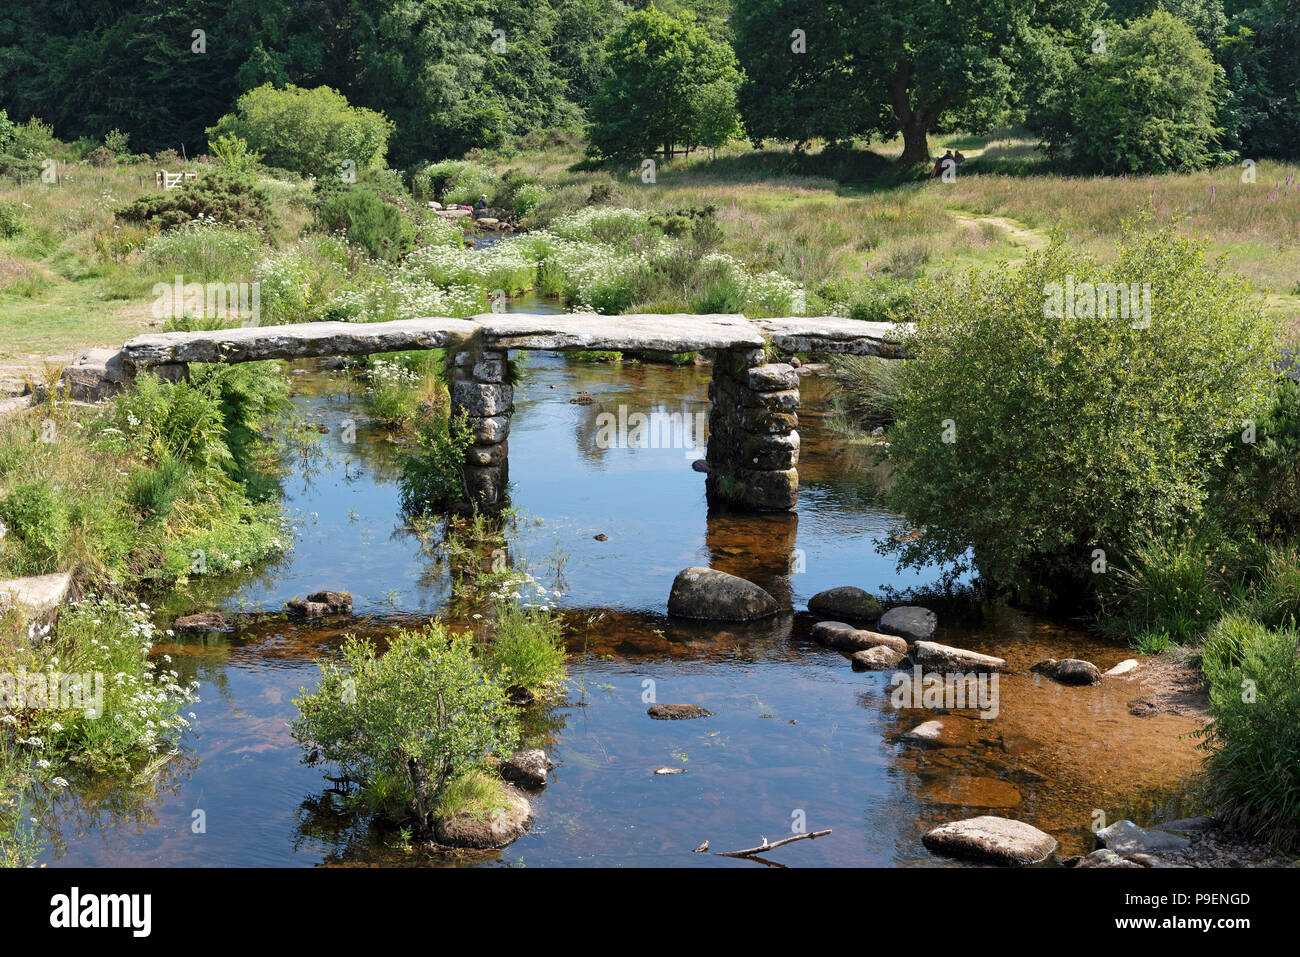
[436, 68]
[846, 68]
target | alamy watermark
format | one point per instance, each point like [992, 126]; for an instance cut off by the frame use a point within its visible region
[208, 300]
[951, 692]
[654, 430]
[52, 690]
[1099, 300]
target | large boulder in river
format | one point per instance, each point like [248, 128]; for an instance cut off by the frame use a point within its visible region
[485, 831]
[712, 595]
[998, 840]
[933, 656]
[911, 622]
[844, 637]
[1069, 671]
[527, 768]
[845, 602]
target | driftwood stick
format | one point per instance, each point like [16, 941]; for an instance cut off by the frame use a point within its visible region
[767, 846]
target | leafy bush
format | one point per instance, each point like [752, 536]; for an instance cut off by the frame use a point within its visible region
[1148, 104]
[432, 477]
[1258, 487]
[527, 647]
[10, 224]
[1254, 739]
[370, 223]
[217, 197]
[408, 722]
[233, 154]
[37, 517]
[312, 131]
[1034, 436]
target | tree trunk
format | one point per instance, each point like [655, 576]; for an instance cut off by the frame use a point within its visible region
[916, 147]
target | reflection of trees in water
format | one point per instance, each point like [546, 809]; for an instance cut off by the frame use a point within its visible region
[104, 803]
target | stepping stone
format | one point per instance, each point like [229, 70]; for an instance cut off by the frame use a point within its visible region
[711, 595]
[844, 637]
[1127, 666]
[677, 712]
[999, 840]
[911, 622]
[846, 602]
[1069, 671]
[937, 657]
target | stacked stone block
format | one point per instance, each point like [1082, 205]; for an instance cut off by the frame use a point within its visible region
[753, 443]
[480, 391]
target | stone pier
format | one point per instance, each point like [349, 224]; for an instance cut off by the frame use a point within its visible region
[753, 443]
[482, 393]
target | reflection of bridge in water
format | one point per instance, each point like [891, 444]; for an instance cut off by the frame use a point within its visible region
[753, 448]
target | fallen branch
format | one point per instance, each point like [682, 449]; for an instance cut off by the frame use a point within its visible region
[767, 846]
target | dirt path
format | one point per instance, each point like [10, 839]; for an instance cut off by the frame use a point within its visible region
[1018, 234]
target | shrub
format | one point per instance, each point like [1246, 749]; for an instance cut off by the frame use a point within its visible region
[1276, 598]
[117, 142]
[1148, 105]
[1258, 487]
[215, 197]
[406, 723]
[370, 223]
[233, 154]
[432, 477]
[10, 224]
[1034, 436]
[1254, 739]
[38, 519]
[312, 131]
[527, 647]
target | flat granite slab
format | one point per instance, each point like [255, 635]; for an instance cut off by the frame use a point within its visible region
[673, 332]
[834, 334]
[296, 341]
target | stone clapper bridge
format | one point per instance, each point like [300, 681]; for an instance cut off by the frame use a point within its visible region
[753, 446]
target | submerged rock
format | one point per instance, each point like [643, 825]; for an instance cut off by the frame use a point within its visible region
[1105, 858]
[844, 637]
[1127, 666]
[911, 622]
[321, 603]
[926, 731]
[846, 602]
[708, 594]
[999, 840]
[496, 830]
[678, 712]
[1069, 671]
[201, 624]
[527, 768]
[937, 657]
[1125, 837]
[879, 658]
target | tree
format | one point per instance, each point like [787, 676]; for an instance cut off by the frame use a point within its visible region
[309, 131]
[1261, 56]
[1148, 103]
[665, 75]
[845, 68]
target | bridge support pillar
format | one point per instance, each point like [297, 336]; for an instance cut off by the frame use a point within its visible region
[481, 392]
[753, 443]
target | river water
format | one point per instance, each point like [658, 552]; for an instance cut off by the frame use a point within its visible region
[796, 736]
